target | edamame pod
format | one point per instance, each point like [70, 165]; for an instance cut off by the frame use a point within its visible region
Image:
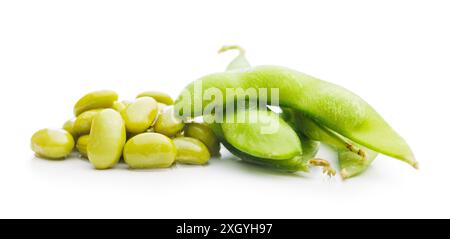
[52, 143]
[330, 105]
[81, 145]
[160, 97]
[106, 139]
[353, 158]
[149, 150]
[268, 136]
[140, 115]
[191, 151]
[95, 100]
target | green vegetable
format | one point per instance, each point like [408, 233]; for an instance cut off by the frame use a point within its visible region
[68, 126]
[83, 122]
[161, 97]
[52, 143]
[353, 158]
[106, 139]
[140, 115]
[191, 151]
[329, 105]
[149, 150]
[95, 100]
[203, 133]
[167, 123]
[249, 137]
[81, 145]
[120, 106]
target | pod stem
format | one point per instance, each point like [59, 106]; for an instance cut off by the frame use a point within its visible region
[327, 169]
[232, 47]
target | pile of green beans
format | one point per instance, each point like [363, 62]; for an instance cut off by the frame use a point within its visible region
[144, 133]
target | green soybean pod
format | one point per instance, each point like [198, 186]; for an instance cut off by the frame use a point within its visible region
[68, 126]
[191, 151]
[149, 150]
[353, 159]
[52, 143]
[330, 105]
[140, 115]
[95, 100]
[161, 97]
[168, 124]
[106, 139]
[205, 134]
[81, 145]
[83, 122]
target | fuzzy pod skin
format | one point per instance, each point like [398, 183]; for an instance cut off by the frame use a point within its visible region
[106, 139]
[330, 105]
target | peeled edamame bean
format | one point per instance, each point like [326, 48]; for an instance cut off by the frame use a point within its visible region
[168, 124]
[106, 139]
[68, 126]
[83, 122]
[161, 107]
[149, 150]
[203, 133]
[191, 151]
[140, 115]
[52, 143]
[81, 145]
[95, 100]
[158, 96]
[120, 106]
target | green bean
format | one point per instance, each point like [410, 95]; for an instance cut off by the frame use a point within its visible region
[52, 143]
[95, 100]
[120, 106]
[191, 151]
[203, 133]
[83, 122]
[328, 104]
[149, 150]
[106, 139]
[68, 126]
[168, 124]
[140, 115]
[158, 96]
[81, 145]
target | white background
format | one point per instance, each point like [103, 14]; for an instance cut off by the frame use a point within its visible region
[395, 54]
